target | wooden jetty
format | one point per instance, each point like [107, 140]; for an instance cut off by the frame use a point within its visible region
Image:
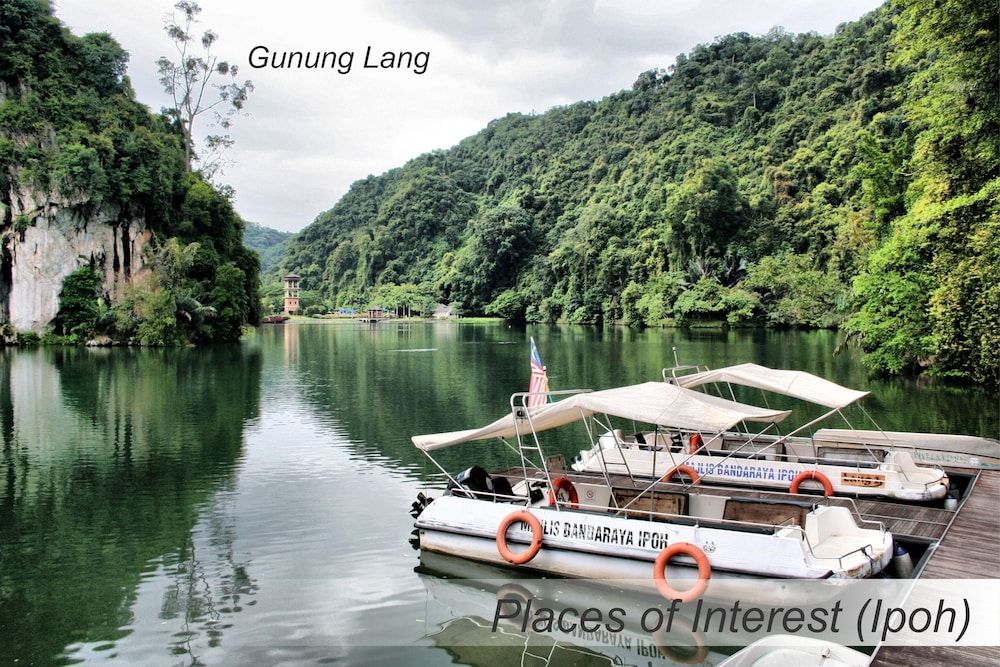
[970, 549]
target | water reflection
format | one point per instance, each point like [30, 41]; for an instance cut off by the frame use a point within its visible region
[385, 383]
[108, 459]
[464, 602]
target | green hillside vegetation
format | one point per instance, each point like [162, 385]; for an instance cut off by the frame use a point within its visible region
[71, 129]
[269, 244]
[790, 180]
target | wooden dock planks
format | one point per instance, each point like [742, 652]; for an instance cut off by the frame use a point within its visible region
[971, 547]
[970, 550]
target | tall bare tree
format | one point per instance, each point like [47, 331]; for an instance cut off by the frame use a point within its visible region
[199, 83]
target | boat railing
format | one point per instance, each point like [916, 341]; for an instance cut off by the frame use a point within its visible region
[513, 499]
[762, 454]
[673, 370]
[694, 520]
[863, 549]
[522, 411]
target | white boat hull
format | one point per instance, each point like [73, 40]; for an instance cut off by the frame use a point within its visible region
[607, 547]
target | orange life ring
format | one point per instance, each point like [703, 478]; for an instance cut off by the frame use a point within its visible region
[811, 474]
[564, 484]
[695, 443]
[660, 571]
[536, 537]
[687, 470]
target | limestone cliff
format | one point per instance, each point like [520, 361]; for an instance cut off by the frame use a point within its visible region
[47, 240]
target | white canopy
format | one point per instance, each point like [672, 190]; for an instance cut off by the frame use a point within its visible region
[798, 384]
[651, 402]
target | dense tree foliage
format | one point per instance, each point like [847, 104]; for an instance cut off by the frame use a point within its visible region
[79, 302]
[71, 129]
[930, 293]
[794, 180]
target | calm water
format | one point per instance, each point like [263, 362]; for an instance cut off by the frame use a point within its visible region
[250, 504]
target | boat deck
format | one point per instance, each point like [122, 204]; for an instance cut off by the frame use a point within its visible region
[968, 551]
[919, 522]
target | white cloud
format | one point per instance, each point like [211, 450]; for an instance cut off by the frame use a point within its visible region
[311, 133]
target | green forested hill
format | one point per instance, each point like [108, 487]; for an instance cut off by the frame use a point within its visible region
[786, 179]
[76, 149]
[268, 243]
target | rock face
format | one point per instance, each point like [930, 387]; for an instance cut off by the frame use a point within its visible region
[45, 243]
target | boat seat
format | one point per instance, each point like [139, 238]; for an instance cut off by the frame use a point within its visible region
[768, 501]
[846, 461]
[502, 487]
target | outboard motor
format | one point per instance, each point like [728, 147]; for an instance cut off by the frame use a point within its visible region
[476, 480]
[417, 508]
[503, 489]
[951, 499]
[902, 564]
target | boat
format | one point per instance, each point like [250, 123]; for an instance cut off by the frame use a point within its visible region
[765, 459]
[933, 449]
[274, 319]
[601, 527]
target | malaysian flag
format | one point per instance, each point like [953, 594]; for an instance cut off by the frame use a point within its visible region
[539, 380]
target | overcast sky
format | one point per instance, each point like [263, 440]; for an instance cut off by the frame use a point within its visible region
[311, 133]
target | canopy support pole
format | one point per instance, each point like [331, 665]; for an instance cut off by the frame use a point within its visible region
[600, 450]
[611, 430]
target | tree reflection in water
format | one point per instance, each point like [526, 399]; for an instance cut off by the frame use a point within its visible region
[116, 463]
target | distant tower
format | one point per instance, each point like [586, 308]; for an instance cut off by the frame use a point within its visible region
[291, 294]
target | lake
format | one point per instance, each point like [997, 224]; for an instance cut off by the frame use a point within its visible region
[250, 504]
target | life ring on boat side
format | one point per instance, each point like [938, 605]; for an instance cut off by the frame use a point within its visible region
[660, 572]
[687, 470]
[811, 474]
[695, 443]
[564, 484]
[536, 537]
